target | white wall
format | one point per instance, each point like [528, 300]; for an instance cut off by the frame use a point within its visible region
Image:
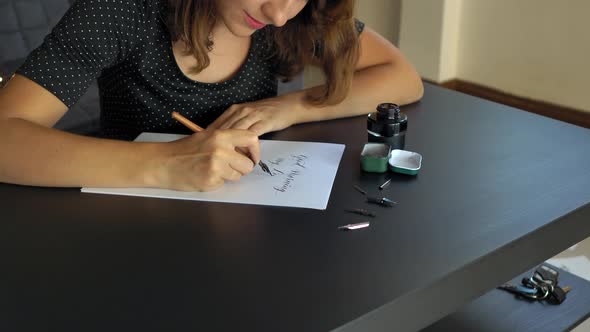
[382, 16]
[421, 35]
[429, 36]
[451, 33]
[538, 49]
[532, 48]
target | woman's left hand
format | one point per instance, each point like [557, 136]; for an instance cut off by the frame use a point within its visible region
[261, 116]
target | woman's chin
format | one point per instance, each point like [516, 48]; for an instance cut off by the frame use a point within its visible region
[242, 32]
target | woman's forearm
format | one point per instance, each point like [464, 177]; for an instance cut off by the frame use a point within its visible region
[35, 155]
[370, 87]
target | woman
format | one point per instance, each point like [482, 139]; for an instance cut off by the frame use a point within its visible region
[214, 61]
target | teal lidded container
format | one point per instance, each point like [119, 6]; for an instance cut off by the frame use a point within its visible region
[405, 162]
[375, 157]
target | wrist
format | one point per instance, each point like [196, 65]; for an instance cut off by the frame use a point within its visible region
[303, 110]
[152, 164]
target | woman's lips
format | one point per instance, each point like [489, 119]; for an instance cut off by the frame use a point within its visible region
[255, 24]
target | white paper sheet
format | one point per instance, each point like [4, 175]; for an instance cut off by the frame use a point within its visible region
[578, 265]
[303, 175]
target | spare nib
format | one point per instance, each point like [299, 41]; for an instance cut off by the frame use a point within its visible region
[383, 201]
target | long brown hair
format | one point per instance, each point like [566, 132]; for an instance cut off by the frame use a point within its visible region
[322, 34]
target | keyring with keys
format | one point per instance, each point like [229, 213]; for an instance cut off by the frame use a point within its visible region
[542, 286]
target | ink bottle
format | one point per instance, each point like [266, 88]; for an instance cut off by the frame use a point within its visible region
[388, 125]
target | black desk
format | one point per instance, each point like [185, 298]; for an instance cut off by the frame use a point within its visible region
[500, 191]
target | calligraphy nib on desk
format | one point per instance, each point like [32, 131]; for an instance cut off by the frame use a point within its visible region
[264, 167]
[383, 201]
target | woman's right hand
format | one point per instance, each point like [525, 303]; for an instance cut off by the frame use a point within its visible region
[205, 160]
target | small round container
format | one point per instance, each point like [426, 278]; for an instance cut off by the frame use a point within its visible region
[375, 157]
[405, 162]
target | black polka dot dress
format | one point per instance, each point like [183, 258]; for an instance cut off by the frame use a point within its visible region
[125, 45]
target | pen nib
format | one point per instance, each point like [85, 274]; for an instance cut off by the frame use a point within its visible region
[264, 167]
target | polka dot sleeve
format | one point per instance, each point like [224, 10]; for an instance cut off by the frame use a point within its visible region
[92, 35]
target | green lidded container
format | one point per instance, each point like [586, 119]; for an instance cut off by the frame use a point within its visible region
[375, 157]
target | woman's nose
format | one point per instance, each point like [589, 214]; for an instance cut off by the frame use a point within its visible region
[276, 11]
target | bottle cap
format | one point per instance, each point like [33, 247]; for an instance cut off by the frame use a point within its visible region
[388, 120]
